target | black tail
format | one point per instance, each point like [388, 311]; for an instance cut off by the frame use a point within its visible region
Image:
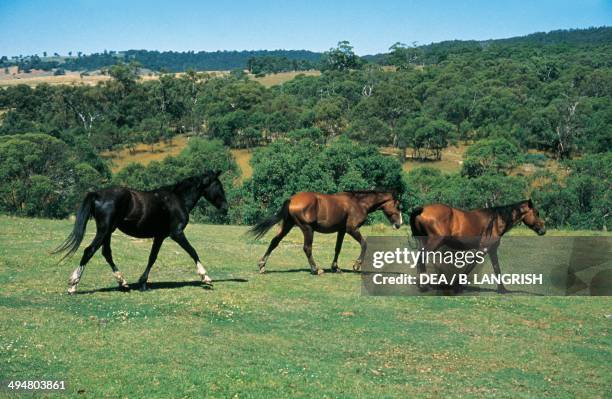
[413, 227]
[261, 228]
[72, 242]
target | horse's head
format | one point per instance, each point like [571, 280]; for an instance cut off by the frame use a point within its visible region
[213, 191]
[529, 216]
[391, 209]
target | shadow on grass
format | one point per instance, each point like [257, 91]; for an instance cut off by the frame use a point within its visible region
[452, 291]
[307, 270]
[164, 285]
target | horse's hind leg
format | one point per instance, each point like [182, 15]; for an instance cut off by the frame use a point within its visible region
[87, 254]
[362, 242]
[285, 229]
[308, 237]
[108, 255]
[103, 229]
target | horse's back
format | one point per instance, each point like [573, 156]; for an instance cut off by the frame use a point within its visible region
[326, 211]
[444, 220]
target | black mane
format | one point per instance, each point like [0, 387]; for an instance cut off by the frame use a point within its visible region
[368, 192]
[505, 212]
[188, 182]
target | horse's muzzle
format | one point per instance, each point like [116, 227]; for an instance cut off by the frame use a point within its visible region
[541, 231]
[397, 226]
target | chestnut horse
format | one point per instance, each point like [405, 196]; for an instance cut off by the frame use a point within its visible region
[436, 225]
[328, 213]
[156, 214]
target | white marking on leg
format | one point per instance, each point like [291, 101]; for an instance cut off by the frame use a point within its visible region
[201, 269]
[75, 277]
[401, 219]
[120, 279]
[203, 274]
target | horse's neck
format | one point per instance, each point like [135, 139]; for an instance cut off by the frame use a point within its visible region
[371, 202]
[190, 196]
[503, 226]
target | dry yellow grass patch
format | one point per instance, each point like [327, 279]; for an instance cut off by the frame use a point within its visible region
[243, 160]
[70, 78]
[34, 79]
[282, 77]
[145, 153]
[452, 159]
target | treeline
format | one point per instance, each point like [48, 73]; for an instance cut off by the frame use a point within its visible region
[269, 64]
[168, 61]
[43, 176]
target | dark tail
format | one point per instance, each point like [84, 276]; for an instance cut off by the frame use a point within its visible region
[72, 242]
[261, 228]
[413, 227]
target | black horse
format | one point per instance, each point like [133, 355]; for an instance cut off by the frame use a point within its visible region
[156, 214]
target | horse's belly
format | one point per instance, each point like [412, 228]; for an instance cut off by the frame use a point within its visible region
[325, 229]
[142, 229]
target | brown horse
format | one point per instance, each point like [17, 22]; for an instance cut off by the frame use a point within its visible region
[328, 213]
[436, 225]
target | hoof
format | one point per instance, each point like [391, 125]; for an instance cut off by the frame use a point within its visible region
[143, 287]
[124, 287]
[357, 266]
[72, 290]
[423, 288]
[502, 290]
[318, 272]
[262, 267]
[336, 269]
[206, 279]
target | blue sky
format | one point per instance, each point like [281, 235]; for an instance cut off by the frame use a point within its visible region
[29, 26]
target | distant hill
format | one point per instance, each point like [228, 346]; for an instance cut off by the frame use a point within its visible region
[173, 61]
[564, 37]
[170, 61]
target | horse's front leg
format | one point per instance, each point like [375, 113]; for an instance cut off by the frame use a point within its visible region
[362, 242]
[157, 243]
[339, 239]
[181, 240]
[431, 244]
[495, 262]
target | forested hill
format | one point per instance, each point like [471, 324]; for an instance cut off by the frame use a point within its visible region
[173, 61]
[553, 41]
[168, 61]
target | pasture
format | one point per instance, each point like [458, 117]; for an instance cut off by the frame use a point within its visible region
[36, 77]
[283, 334]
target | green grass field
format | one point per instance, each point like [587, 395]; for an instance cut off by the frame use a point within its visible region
[283, 334]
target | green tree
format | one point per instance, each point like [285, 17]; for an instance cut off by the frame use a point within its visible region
[341, 58]
[498, 156]
[42, 176]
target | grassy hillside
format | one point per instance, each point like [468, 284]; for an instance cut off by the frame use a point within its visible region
[35, 78]
[283, 334]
